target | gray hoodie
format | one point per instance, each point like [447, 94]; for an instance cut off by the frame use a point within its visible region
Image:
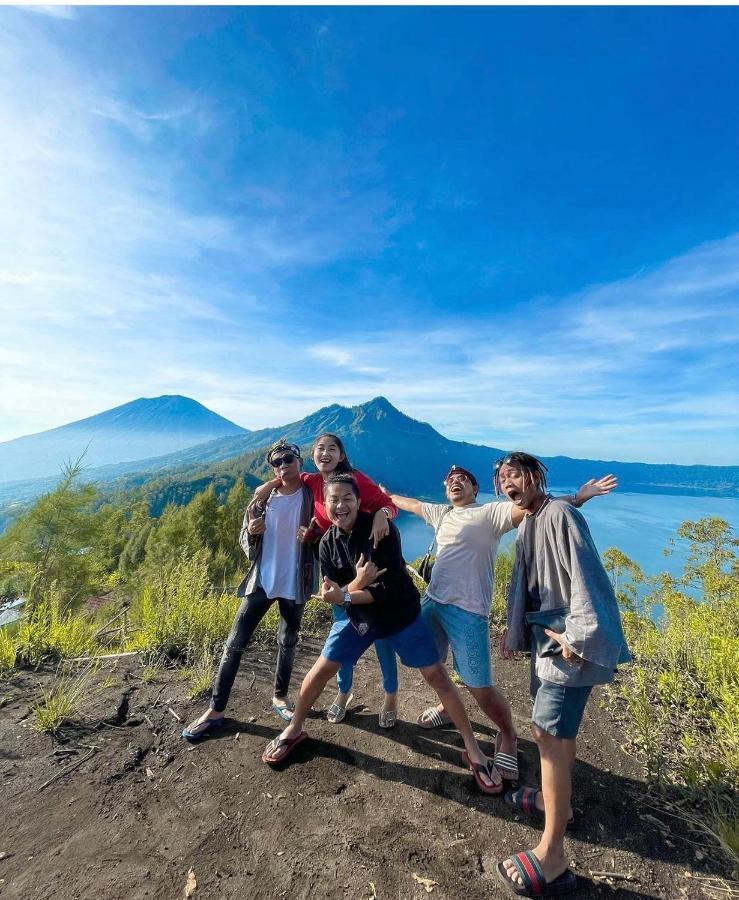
[570, 574]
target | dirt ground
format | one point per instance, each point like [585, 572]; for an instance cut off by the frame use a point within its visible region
[357, 812]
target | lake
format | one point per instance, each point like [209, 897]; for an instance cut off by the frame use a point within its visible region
[640, 525]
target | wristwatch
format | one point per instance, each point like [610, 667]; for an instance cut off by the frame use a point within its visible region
[347, 601]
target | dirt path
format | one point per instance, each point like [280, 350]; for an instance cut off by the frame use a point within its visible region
[357, 812]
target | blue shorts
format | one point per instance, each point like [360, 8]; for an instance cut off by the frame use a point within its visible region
[414, 644]
[467, 634]
[559, 708]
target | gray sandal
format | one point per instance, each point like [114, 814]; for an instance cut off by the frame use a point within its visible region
[388, 718]
[336, 713]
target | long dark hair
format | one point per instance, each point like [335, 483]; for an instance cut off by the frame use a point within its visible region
[343, 467]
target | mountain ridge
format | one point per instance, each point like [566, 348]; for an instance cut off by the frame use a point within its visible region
[409, 455]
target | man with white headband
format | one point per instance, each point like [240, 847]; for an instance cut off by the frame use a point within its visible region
[283, 571]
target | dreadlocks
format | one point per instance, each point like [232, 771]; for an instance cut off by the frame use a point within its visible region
[533, 469]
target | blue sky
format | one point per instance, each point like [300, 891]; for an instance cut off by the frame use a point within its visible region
[520, 225]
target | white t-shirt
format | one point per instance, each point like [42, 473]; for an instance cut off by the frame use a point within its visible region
[278, 564]
[466, 545]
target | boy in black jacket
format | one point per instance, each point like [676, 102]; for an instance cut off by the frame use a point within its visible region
[381, 601]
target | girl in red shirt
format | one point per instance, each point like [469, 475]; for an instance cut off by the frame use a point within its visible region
[329, 457]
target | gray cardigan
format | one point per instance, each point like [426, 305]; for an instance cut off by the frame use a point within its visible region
[570, 573]
[251, 544]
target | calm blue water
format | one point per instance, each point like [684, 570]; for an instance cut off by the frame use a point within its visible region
[640, 525]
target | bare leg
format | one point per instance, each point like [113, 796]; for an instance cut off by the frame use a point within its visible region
[498, 709]
[557, 760]
[322, 671]
[438, 678]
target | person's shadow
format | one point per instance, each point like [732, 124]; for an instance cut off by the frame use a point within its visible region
[605, 812]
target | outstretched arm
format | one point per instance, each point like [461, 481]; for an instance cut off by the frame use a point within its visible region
[408, 504]
[595, 488]
[585, 492]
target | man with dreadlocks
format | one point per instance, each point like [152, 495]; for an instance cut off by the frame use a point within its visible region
[562, 608]
[457, 603]
[274, 538]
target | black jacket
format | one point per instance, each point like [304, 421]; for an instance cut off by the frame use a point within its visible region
[396, 602]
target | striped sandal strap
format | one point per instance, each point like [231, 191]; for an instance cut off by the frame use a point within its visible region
[525, 799]
[434, 717]
[506, 761]
[531, 873]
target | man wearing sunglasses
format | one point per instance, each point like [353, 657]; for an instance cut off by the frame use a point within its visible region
[283, 569]
[458, 598]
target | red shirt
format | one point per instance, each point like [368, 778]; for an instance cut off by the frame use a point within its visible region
[371, 496]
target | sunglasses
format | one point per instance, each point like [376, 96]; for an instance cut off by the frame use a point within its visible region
[458, 476]
[285, 460]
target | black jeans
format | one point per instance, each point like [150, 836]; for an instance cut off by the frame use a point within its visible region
[251, 612]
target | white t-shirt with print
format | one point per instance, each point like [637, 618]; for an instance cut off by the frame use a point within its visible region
[278, 563]
[466, 546]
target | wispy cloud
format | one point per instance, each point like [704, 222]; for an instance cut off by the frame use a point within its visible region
[53, 12]
[173, 240]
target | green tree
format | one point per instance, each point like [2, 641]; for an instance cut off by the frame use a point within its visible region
[203, 517]
[626, 576]
[712, 566]
[51, 542]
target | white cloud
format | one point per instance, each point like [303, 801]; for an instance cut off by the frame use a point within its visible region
[53, 12]
[113, 284]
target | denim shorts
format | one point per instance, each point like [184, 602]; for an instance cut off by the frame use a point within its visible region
[558, 708]
[468, 635]
[414, 644]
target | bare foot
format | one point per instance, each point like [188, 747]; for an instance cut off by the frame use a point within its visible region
[490, 777]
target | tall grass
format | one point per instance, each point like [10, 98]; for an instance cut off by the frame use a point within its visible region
[71, 693]
[8, 652]
[51, 630]
[177, 614]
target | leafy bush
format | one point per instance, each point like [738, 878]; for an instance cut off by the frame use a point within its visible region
[683, 691]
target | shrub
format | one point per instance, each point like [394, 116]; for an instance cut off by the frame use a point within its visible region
[7, 652]
[51, 631]
[178, 615]
[66, 701]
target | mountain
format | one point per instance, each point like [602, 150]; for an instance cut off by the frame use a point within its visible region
[412, 457]
[409, 456]
[137, 430]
